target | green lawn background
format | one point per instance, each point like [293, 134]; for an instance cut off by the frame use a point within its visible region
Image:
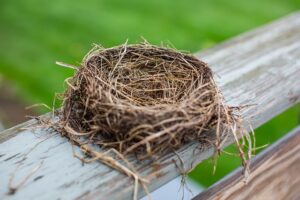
[36, 33]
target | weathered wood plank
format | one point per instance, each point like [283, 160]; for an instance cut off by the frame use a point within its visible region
[274, 175]
[261, 68]
[11, 132]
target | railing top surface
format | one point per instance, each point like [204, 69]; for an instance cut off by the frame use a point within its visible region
[261, 68]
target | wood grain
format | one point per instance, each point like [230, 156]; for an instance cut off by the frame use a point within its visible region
[274, 175]
[261, 67]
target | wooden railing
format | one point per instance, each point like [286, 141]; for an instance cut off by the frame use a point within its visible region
[274, 175]
[260, 68]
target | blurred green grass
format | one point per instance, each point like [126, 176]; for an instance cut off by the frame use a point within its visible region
[36, 33]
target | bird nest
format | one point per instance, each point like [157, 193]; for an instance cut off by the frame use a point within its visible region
[146, 101]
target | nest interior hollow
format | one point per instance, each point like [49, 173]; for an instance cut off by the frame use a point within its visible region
[143, 99]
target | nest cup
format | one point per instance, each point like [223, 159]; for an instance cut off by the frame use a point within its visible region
[144, 100]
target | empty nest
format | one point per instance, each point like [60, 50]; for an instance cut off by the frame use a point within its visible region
[146, 101]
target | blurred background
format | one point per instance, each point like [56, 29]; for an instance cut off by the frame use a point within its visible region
[36, 33]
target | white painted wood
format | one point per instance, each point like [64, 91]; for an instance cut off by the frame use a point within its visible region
[173, 190]
[261, 68]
